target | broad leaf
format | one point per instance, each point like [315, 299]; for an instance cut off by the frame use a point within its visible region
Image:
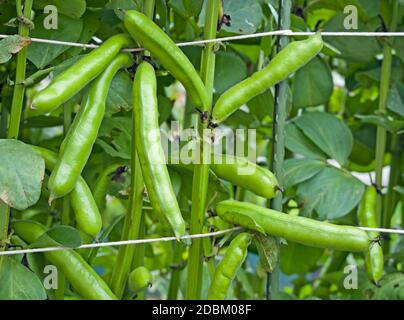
[297, 258]
[333, 193]
[120, 95]
[396, 99]
[41, 54]
[21, 174]
[313, 84]
[298, 143]
[18, 282]
[328, 133]
[268, 249]
[389, 123]
[12, 45]
[299, 170]
[72, 8]
[59, 236]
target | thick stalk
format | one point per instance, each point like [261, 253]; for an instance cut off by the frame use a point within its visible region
[279, 121]
[176, 272]
[383, 95]
[381, 132]
[16, 108]
[201, 173]
[133, 224]
[18, 96]
[391, 197]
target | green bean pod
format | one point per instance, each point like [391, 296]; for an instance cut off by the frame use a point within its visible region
[374, 260]
[82, 277]
[286, 62]
[75, 78]
[228, 267]
[77, 146]
[88, 217]
[247, 175]
[140, 279]
[294, 228]
[150, 150]
[151, 37]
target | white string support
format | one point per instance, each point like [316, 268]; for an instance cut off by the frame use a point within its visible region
[121, 243]
[288, 33]
[166, 239]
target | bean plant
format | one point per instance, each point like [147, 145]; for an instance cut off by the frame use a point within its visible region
[177, 149]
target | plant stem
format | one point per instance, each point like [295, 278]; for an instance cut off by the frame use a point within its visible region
[383, 96]
[176, 272]
[279, 122]
[391, 197]
[133, 225]
[201, 172]
[16, 109]
[19, 89]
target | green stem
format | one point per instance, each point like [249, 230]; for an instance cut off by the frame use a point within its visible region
[16, 109]
[201, 172]
[133, 225]
[391, 197]
[176, 273]
[384, 91]
[279, 122]
[19, 89]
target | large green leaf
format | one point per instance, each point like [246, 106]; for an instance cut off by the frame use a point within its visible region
[230, 70]
[72, 8]
[396, 99]
[41, 54]
[10, 46]
[298, 143]
[352, 48]
[333, 193]
[18, 282]
[120, 95]
[328, 133]
[242, 19]
[297, 258]
[59, 236]
[391, 288]
[299, 170]
[21, 174]
[313, 84]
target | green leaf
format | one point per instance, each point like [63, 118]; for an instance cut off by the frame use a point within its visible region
[230, 70]
[298, 143]
[194, 7]
[72, 8]
[352, 48]
[115, 137]
[333, 193]
[299, 170]
[59, 236]
[328, 133]
[268, 249]
[395, 101]
[389, 123]
[297, 258]
[246, 16]
[91, 24]
[313, 84]
[120, 97]
[41, 54]
[12, 45]
[18, 282]
[21, 174]
[248, 221]
[262, 105]
[391, 287]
